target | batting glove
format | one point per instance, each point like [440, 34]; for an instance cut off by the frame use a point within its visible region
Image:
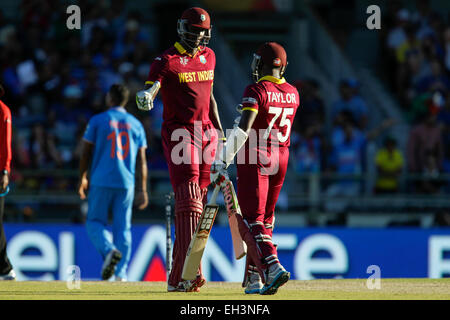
[219, 173]
[236, 122]
[144, 100]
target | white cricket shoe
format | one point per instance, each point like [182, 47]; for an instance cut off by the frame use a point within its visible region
[11, 275]
[120, 279]
[276, 276]
[254, 283]
[188, 285]
[109, 266]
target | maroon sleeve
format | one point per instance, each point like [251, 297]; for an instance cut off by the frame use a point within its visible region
[158, 71]
[253, 97]
[6, 136]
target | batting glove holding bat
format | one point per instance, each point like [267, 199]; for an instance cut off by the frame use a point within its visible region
[219, 173]
[236, 122]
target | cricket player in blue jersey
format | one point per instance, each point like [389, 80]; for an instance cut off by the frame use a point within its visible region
[113, 151]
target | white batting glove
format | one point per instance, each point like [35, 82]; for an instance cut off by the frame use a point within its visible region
[144, 100]
[236, 122]
[219, 173]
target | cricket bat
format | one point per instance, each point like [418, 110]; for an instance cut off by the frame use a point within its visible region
[232, 205]
[200, 238]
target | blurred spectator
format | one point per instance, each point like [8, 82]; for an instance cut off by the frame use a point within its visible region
[94, 18]
[446, 44]
[312, 104]
[432, 27]
[36, 13]
[130, 37]
[42, 149]
[350, 101]
[422, 105]
[306, 149]
[444, 121]
[397, 35]
[425, 149]
[68, 118]
[348, 158]
[437, 80]
[409, 75]
[389, 162]
[411, 44]
[421, 14]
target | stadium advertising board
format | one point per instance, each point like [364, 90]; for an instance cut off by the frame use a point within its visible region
[47, 252]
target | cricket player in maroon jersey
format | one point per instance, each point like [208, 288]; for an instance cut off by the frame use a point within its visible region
[268, 110]
[191, 128]
[6, 270]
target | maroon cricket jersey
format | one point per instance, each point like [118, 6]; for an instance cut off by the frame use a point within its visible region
[185, 83]
[276, 103]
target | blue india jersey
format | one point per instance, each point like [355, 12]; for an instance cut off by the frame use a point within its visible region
[117, 136]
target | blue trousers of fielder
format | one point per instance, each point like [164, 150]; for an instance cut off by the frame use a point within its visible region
[120, 201]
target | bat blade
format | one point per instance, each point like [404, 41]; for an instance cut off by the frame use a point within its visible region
[232, 205]
[200, 238]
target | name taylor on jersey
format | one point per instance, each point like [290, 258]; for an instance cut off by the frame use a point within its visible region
[280, 97]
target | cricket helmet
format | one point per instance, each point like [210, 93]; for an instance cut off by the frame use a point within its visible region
[270, 54]
[192, 22]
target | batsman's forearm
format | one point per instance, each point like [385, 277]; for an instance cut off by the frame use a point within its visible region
[215, 118]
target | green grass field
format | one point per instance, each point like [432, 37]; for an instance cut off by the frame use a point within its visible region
[341, 289]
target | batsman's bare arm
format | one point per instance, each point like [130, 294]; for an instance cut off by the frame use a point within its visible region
[247, 119]
[85, 161]
[214, 115]
[236, 139]
[141, 180]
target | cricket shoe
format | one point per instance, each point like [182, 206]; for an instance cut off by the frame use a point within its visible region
[109, 266]
[254, 284]
[188, 285]
[11, 275]
[120, 279]
[276, 277]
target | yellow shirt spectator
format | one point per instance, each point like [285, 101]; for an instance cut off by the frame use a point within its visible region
[406, 47]
[389, 164]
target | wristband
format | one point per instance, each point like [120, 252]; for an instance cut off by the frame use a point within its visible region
[5, 193]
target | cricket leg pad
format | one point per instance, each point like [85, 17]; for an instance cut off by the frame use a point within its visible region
[250, 268]
[253, 249]
[188, 209]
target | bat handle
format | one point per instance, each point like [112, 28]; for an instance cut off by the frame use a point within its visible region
[215, 192]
